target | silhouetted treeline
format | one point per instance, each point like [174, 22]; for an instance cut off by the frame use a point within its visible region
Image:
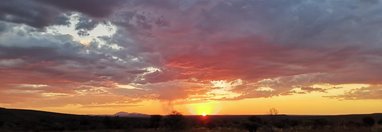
[28, 120]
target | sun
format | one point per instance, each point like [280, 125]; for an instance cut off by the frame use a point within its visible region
[204, 114]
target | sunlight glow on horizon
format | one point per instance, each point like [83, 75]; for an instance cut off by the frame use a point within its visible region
[208, 108]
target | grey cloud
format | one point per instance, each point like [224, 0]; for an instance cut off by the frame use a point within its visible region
[3, 27]
[10, 63]
[94, 8]
[29, 12]
[370, 92]
[85, 24]
[280, 86]
[311, 89]
[42, 13]
[58, 57]
[302, 23]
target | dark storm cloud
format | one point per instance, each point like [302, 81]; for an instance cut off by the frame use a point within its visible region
[36, 53]
[94, 8]
[42, 13]
[29, 12]
[54, 57]
[25, 43]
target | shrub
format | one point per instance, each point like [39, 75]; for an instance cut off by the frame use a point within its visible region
[273, 111]
[251, 126]
[320, 123]
[175, 121]
[284, 123]
[353, 124]
[255, 119]
[368, 121]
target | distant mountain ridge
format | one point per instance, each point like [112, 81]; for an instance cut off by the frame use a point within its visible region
[126, 114]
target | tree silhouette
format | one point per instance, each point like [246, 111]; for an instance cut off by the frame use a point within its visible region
[273, 111]
[253, 124]
[368, 121]
[175, 121]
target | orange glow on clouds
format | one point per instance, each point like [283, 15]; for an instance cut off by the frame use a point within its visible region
[218, 58]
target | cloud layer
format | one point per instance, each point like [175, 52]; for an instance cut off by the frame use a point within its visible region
[135, 50]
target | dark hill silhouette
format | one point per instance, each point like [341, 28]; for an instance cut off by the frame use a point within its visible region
[20, 120]
[33, 120]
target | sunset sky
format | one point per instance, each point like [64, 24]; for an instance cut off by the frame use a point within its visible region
[193, 56]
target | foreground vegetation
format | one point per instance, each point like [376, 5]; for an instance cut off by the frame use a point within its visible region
[28, 120]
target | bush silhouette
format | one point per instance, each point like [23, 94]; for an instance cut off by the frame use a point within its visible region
[155, 121]
[251, 127]
[253, 124]
[368, 121]
[273, 111]
[255, 119]
[285, 123]
[380, 121]
[320, 123]
[175, 121]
